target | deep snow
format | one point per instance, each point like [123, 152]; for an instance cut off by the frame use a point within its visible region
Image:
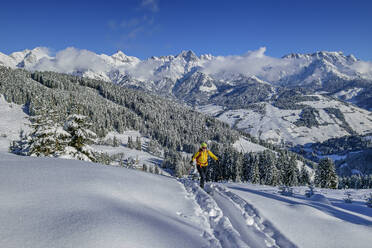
[47, 202]
[323, 220]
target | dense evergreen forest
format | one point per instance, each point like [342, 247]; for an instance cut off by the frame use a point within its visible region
[111, 107]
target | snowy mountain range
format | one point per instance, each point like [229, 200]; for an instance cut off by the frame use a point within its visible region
[251, 83]
[205, 75]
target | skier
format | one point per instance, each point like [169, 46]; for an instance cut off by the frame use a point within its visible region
[201, 157]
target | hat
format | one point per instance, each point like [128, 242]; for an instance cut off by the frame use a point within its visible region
[203, 145]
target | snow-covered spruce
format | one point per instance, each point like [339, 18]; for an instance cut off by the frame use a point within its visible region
[81, 136]
[224, 235]
[50, 138]
[272, 236]
[325, 174]
[47, 138]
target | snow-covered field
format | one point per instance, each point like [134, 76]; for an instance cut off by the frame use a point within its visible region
[48, 202]
[324, 220]
[245, 146]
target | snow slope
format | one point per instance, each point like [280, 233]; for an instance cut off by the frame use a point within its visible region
[67, 203]
[278, 125]
[245, 146]
[48, 202]
[323, 220]
[12, 120]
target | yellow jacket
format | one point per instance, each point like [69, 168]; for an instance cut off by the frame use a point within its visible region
[202, 157]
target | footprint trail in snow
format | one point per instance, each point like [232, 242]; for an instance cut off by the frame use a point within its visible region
[233, 222]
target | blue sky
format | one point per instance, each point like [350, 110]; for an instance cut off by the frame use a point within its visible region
[145, 28]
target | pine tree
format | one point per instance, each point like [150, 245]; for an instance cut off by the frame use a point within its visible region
[246, 167]
[238, 168]
[157, 171]
[138, 143]
[179, 170]
[325, 175]
[48, 138]
[304, 176]
[275, 176]
[255, 173]
[130, 143]
[268, 169]
[290, 172]
[115, 142]
[81, 136]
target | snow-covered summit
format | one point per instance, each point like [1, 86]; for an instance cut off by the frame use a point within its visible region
[321, 55]
[188, 56]
[120, 56]
[5, 60]
[28, 58]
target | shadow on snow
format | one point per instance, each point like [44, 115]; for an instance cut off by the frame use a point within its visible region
[319, 206]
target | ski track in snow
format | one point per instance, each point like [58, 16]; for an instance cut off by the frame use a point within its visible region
[233, 222]
[260, 229]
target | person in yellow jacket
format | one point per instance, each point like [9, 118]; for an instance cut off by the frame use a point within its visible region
[201, 157]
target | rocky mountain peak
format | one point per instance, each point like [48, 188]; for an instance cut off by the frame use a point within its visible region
[119, 55]
[188, 56]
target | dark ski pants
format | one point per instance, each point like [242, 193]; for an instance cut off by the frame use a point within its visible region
[203, 174]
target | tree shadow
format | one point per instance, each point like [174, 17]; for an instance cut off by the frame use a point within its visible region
[357, 206]
[330, 210]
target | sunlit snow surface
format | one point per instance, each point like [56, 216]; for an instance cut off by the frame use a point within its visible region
[48, 202]
[324, 220]
[68, 203]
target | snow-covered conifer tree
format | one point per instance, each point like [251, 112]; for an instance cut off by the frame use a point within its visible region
[267, 167]
[48, 137]
[304, 176]
[290, 172]
[115, 142]
[255, 173]
[157, 171]
[138, 143]
[325, 175]
[81, 137]
[130, 143]
[238, 168]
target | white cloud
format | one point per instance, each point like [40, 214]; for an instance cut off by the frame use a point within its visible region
[252, 63]
[71, 59]
[363, 67]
